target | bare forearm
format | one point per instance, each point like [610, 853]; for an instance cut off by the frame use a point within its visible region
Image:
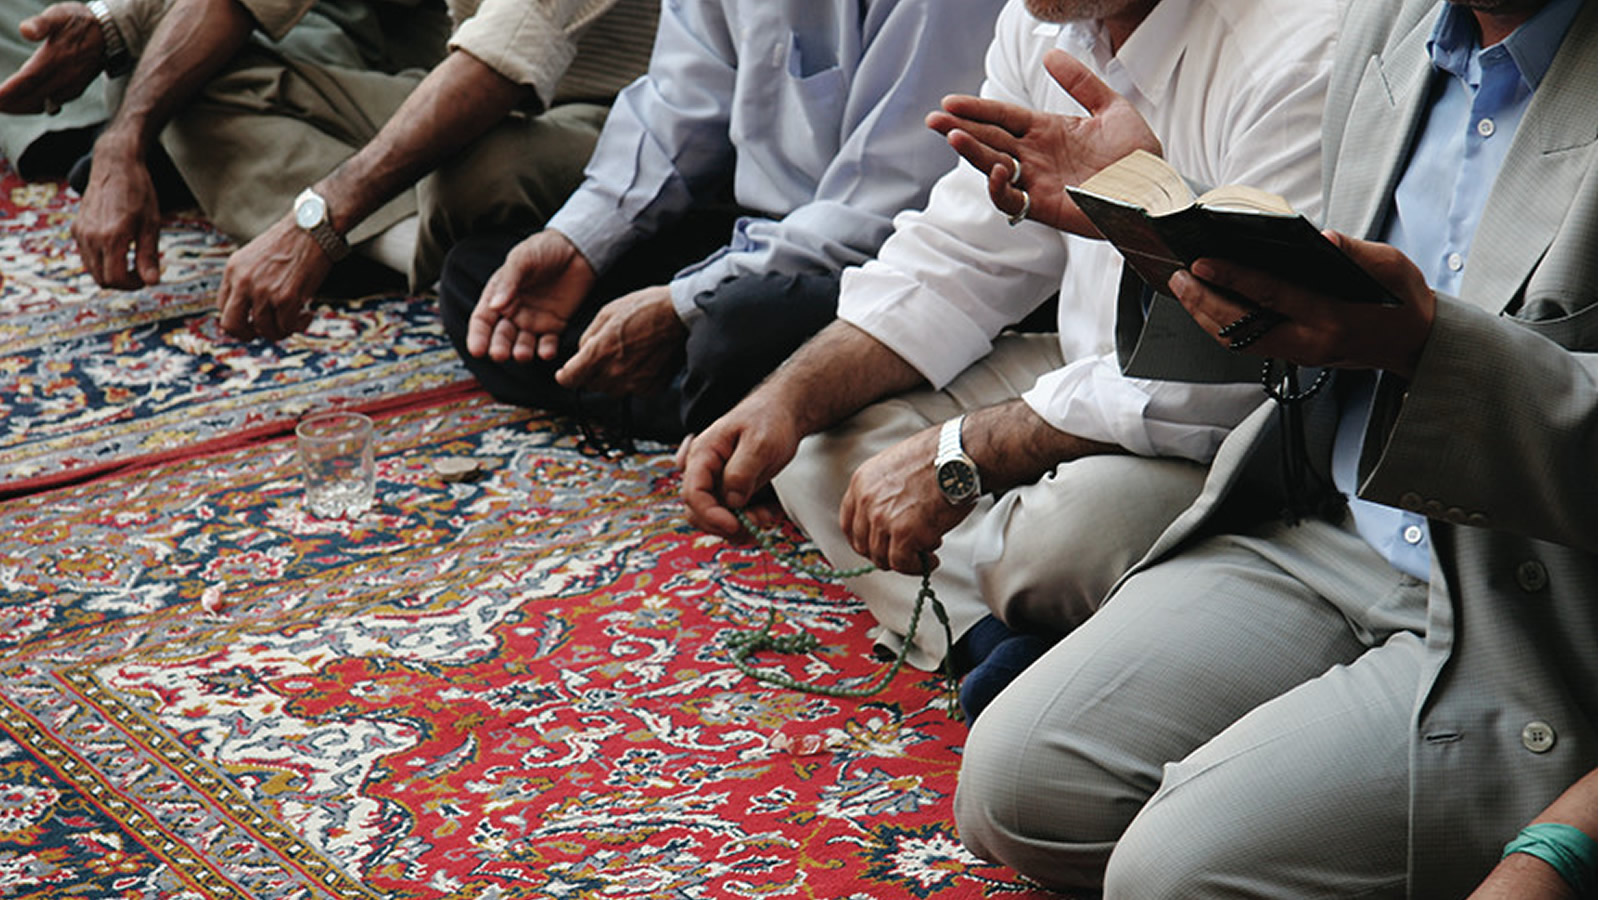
[458, 102]
[1011, 445]
[1522, 876]
[192, 43]
[835, 374]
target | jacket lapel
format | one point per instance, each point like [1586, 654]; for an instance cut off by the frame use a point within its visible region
[1549, 155]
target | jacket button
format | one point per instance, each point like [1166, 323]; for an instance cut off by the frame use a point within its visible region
[1538, 737]
[1531, 576]
[1478, 520]
[1411, 500]
[1433, 509]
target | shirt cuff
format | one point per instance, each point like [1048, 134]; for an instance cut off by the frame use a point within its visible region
[934, 337]
[520, 41]
[595, 226]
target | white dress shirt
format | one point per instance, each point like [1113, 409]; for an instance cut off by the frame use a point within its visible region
[1233, 89]
[814, 107]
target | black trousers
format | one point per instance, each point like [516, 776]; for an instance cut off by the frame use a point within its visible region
[749, 326]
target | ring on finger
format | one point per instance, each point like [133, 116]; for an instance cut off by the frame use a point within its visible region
[1016, 169]
[1015, 219]
[51, 107]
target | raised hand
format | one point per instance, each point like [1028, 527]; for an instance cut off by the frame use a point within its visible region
[1052, 151]
[893, 512]
[634, 346]
[1303, 327]
[269, 283]
[71, 55]
[529, 300]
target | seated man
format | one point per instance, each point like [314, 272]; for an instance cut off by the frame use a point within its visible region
[267, 120]
[1370, 704]
[1046, 420]
[796, 125]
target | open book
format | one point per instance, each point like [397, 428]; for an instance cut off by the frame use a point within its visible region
[1144, 207]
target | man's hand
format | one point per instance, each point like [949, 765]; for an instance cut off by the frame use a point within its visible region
[633, 346]
[1314, 329]
[119, 211]
[529, 300]
[72, 54]
[894, 512]
[1053, 151]
[725, 465]
[269, 283]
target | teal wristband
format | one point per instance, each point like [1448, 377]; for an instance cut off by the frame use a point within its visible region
[1566, 848]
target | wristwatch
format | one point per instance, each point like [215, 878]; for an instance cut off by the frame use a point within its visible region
[118, 61]
[954, 469]
[311, 214]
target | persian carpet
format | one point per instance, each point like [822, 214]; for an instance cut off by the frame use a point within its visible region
[92, 379]
[514, 687]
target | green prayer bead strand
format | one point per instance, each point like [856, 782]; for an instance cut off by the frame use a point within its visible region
[743, 645]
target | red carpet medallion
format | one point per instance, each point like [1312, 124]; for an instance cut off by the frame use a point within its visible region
[509, 688]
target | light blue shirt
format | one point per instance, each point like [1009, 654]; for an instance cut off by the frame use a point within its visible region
[814, 109]
[1479, 97]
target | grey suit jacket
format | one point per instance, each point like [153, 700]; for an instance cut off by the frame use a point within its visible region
[1494, 439]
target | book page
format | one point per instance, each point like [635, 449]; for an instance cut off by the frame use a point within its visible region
[1243, 198]
[1144, 180]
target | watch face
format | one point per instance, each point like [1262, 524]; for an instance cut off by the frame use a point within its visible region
[957, 480]
[309, 211]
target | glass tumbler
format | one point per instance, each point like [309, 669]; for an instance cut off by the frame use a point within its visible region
[336, 463]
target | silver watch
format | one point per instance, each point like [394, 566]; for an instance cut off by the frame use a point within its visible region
[956, 473]
[117, 60]
[311, 214]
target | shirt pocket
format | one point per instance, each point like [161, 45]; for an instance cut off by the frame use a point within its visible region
[809, 113]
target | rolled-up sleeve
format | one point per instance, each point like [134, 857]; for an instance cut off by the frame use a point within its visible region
[913, 53]
[531, 42]
[664, 143]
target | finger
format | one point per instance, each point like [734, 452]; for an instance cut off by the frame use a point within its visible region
[235, 318]
[748, 470]
[147, 251]
[579, 370]
[1002, 193]
[480, 329]
[983, 157]
[1014, 119]
[679, 458]
[286, 317]
[503, 340]
[1083, 85]
[548, 347]
[703, 466]
[37, 28]
[905, 558]
[1208, 308]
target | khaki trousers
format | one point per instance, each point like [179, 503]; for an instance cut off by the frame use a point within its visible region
[1041, 557]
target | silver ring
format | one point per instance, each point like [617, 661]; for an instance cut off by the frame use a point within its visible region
[51, 107]
[1016, 169]
[1027, 204]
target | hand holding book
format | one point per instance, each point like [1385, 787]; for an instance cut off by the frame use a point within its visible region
[1317, 328]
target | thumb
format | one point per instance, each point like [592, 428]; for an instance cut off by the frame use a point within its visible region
[39, 27]
[1075, 78]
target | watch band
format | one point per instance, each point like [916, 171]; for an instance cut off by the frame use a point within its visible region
[955, 471]
[331, 241]
[117, 59]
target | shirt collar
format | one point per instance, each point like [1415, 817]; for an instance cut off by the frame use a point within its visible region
[1532, 47]
[1149, 56]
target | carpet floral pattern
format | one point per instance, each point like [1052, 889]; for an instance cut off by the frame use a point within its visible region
[91, 378]
[514, 687]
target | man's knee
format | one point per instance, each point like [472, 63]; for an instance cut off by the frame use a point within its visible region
[1069, 537]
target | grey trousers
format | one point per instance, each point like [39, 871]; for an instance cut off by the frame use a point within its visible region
[1041, 557]
[1233, 722]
